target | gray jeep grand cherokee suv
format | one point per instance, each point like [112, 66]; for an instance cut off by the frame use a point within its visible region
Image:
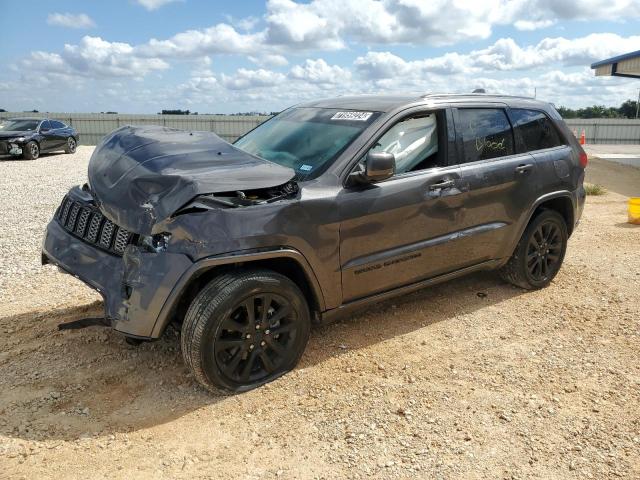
[324, 208]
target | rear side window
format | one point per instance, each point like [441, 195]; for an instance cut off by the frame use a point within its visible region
[536, 130]
[486, 133]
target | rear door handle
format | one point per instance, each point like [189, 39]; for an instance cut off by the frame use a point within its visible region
[524, 168]
[441, 185]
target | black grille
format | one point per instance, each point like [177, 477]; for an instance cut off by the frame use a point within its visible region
[86, 221]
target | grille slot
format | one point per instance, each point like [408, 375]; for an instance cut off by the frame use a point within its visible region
[86, 221]
[83, 220]
[73, 216]
[94, 227]
[107, 234]
[123, 238]
[65, 211]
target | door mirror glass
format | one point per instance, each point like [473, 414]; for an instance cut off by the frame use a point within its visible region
[379, 166]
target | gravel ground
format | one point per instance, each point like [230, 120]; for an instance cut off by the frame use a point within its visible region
[443, 383]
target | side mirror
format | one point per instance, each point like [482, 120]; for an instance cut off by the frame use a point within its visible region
[379, 166]
[44, 130]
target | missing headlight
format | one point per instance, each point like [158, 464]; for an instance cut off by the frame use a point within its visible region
[154, 243]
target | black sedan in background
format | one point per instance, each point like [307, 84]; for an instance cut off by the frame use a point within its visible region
[30, 137]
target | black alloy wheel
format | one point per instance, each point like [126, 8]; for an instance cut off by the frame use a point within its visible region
[544, 251]
[245, 328]
[254, 341]
[539, 254]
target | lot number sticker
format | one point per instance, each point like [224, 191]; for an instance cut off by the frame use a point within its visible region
[353, 116]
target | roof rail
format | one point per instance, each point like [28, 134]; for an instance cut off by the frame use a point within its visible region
[497, 95]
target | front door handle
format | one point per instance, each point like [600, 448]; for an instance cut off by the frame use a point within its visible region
[524, 168]
[441, 185]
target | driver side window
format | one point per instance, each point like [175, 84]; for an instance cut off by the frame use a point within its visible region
[414, 142]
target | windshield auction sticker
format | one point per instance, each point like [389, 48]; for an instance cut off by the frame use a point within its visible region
[353, 116]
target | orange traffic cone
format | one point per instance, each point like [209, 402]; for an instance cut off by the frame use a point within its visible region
[583, 138]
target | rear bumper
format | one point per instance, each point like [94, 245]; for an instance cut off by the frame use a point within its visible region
[134, 287]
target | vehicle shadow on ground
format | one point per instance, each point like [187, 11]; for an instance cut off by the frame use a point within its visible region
[68, 384]
[11, 158]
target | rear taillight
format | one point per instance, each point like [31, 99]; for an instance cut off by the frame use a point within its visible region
[583, 159]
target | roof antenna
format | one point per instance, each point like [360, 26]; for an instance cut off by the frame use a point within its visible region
[479, 90]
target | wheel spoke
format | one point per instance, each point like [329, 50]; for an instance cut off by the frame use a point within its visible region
[283, 328]
[267, 363]
[233, 325]
[534, 265]
[250, 307]
[248, 366]
[231, 366]
[276, 346]
[538, 236]
[226, 344]
[266, 303]
[280, 314]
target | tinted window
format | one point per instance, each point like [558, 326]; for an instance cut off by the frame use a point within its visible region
[536, 129]
[45, 125]
[486, 133]
[57, 124]
[413, 142]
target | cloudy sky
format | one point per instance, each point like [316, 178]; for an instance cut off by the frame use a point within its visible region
[140, 56]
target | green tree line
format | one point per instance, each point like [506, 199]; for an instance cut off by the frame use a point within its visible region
[626, 110]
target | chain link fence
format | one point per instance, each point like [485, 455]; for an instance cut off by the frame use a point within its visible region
[93, 126]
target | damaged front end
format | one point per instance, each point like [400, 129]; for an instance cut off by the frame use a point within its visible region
[126, 233]
[140, 176]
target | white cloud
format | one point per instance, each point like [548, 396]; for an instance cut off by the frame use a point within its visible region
[154, 4]
[221, 38]
[528, 25]
[505, 54]
[96, 58]
[269, 60]
[246, 79]
[70, 20]
[318, 71]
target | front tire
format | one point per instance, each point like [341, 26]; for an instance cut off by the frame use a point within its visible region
[31, 150]
[540, 252]
[71, 145]
[245, 329]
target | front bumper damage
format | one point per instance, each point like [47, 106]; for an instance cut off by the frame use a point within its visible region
[11, 147]
[134, 286]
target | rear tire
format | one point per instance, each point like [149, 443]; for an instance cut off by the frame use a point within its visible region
[31, 150]
[70, 146]
[232, 343]
[540, 252]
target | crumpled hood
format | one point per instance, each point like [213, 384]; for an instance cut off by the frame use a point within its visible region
[141, 175]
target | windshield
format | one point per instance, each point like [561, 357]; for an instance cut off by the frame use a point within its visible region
[19, 125]
[306, 139]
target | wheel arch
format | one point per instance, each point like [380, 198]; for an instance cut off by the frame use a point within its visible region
[560, 201]
[287, 262]
[563, 204]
